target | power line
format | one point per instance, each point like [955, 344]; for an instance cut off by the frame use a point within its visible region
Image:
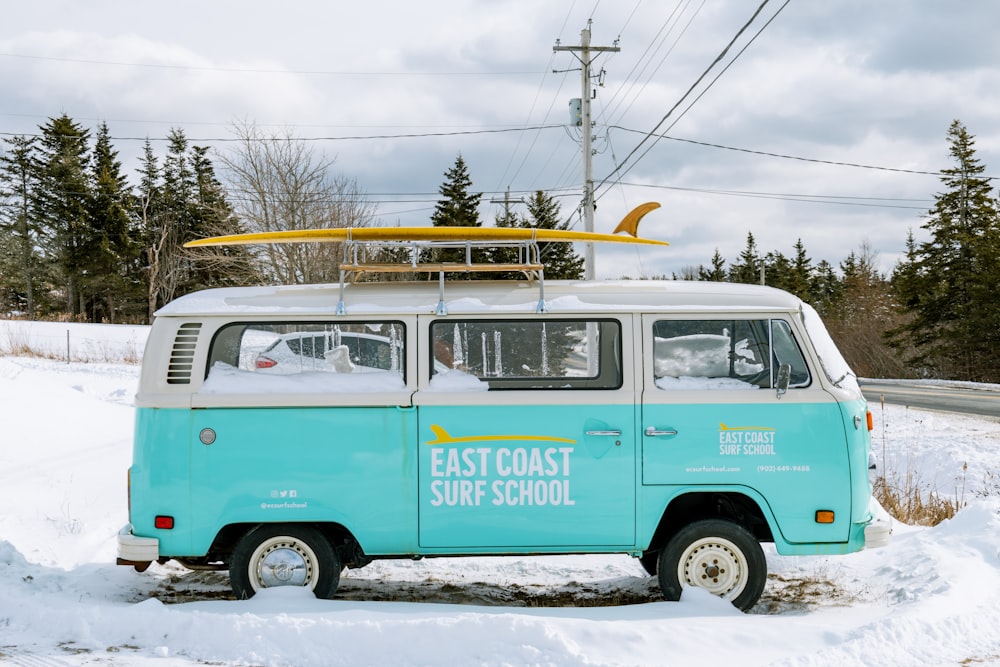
[784, 156]
[787, 157]
[718, 59]
[275, 197]
[845, 200]
[411, 135]
[257, 70]
[666, 30]
[548, 112]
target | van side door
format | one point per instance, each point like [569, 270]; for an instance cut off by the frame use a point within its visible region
[527, 434]
[712, 419]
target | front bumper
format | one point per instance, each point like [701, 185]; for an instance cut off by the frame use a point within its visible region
[134, 550]
[878, 534]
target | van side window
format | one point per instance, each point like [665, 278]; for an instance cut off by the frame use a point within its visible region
[724, 354]
[307, 356]
[537, 353]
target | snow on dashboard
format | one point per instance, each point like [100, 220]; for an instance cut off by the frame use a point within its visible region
[226, 379]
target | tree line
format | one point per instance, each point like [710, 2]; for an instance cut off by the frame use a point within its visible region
[78, 242]
[935, 315]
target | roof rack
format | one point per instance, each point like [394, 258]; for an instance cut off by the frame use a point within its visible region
[367, 256]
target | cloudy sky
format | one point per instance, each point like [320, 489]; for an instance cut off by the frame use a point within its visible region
[393, 91]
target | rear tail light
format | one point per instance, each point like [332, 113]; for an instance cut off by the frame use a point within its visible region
[265, 362]
[163, 522]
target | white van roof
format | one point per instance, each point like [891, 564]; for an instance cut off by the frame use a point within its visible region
[469, 297]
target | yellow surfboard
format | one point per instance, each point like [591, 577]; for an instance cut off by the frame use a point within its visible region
[419, 234]
[475, 234]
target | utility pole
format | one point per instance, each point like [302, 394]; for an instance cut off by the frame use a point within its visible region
[507, 201]
[584, 53]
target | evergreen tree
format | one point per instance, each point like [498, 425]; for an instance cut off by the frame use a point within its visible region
[62, 207]
[111, 282]
[504, 255]
[717, 272]
[169, 220]
[458, 207]
[180, 185]
[799, 280]
[154, 232]
[561, 262]
[20, 263]
[825, 289]
[746, 269]
[177, 202]
[777, 270]
[861, 278]
[948, 284]
[213, 216]
[559, 259]
[171, 217]
[72, 229]
[906, 275]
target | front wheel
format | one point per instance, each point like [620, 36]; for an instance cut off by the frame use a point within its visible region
[717, 555]
[274, 555]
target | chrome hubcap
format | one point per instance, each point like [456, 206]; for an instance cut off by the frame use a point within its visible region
[283, 561]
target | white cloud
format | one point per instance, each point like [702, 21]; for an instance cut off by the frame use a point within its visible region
[853, 81]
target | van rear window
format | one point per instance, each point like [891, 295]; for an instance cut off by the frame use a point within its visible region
[319, 356]
[537, 353]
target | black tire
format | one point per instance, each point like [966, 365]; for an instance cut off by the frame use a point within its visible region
[273, 555]
[715, 554]
[648, 560]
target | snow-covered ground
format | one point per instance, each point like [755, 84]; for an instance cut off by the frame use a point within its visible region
[931, 598]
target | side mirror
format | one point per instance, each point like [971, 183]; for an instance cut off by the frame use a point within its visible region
[784, 377]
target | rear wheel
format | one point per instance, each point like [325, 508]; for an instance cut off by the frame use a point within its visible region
[717, 555]
[273, 555]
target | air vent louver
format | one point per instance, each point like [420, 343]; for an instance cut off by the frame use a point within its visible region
[182, 354]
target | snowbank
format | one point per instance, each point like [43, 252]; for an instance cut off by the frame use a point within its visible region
[65, 439]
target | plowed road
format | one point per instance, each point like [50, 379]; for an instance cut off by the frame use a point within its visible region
[935, 397]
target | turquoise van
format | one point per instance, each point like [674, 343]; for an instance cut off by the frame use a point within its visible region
[283, 435]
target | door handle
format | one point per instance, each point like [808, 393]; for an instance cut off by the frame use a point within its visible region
[653, 431]
[609, 432]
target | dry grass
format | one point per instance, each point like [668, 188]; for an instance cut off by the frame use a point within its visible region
[795, 594]
[908, 500]
[18, 343]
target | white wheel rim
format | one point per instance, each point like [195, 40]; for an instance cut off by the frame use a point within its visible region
[715, 564]
[283, 561]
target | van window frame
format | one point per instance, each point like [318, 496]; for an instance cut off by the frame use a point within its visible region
[211, 358]
[773, 360]
[608, 347]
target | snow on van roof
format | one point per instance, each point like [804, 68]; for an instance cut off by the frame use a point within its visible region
[484, 296]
